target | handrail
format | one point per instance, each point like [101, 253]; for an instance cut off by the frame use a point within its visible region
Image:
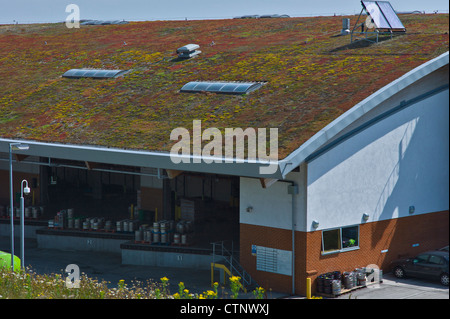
[233, 265]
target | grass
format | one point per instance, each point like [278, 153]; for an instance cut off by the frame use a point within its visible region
[27, 284]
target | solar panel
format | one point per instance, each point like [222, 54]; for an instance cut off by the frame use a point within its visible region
[375, 13]
[221, 87]
[92, 73]
[390, 15]
[383, 15]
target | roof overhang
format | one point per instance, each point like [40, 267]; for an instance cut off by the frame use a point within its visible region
[140, 158]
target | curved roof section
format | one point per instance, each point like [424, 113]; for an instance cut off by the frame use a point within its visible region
[312, 76]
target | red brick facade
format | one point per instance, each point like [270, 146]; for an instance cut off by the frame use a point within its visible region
[398, 236]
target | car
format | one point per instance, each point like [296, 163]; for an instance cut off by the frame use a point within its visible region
[444, 248]
[430, 264]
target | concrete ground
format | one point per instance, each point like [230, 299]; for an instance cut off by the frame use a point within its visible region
[394, 288]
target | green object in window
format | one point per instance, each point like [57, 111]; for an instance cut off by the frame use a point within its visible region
[351, 242]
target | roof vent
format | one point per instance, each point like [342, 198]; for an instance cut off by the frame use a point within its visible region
[345, 26]
[188, 51]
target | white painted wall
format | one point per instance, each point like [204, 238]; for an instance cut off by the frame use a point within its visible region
[272, 206]
[399, 162]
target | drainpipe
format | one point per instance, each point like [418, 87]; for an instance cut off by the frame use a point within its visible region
[293, 190]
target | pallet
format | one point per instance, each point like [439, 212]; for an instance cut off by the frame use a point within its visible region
[345, 291]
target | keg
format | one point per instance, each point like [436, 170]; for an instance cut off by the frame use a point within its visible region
[147, 235]
[27, 212]
[320, 284]
[125, 226]
[163, 236]
[176, 238]
[86, 225]
[131, 226]
[336, 287]
[70, 223]
[51, 223]
[77, 223]
[347, 280]
[70, 213]
[361, 278]
[138, 235]
[180, 227]
[184, 239]
[35, 212]
[156, 237]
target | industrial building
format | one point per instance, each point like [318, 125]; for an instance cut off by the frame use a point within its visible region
[362, 175]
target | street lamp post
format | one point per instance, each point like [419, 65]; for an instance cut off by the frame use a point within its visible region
[15, 147]
[23, 190]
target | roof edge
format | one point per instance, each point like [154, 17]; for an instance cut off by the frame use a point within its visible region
[141, 158]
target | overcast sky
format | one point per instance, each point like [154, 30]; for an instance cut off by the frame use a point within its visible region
[36, 11]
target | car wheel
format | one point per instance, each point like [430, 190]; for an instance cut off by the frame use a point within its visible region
[444, 279]
[399, 272]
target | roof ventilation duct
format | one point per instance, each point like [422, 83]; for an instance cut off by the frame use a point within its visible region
[345, 26]
[188, 51]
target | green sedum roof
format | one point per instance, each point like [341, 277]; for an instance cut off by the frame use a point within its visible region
[311, 76]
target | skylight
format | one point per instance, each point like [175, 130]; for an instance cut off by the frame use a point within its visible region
[93, 73]
[221, 87]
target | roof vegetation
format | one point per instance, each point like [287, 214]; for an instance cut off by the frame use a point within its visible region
[311, 74]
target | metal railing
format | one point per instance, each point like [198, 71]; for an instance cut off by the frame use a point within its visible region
[231, 261]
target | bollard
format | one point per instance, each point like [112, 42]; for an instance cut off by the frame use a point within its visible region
[308, 288]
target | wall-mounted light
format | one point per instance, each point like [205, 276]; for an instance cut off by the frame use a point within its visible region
[412, 209]
[249, 209]
[315, 224]
[365, 217]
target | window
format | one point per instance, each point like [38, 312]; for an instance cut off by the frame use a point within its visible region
[331, 240]
[93, 73]
[340, 239]
[421, 259]
[221, 87]
[436, 260]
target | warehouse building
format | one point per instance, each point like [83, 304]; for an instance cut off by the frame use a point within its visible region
[362, 170]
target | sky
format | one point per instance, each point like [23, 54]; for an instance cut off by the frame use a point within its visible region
[40, 11]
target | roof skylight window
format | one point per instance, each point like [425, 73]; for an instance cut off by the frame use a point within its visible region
[93, 73]
[221, 87]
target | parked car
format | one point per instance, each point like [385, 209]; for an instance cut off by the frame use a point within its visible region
[444, 248]
[430, 264]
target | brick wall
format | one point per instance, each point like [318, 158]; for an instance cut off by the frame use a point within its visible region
[430, 231]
